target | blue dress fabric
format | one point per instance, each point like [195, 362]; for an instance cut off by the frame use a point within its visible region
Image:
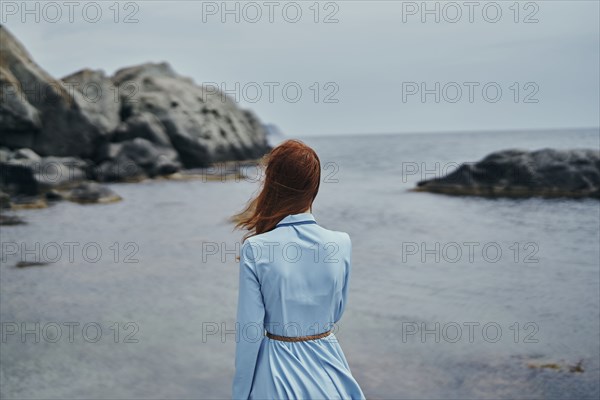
[293, 282]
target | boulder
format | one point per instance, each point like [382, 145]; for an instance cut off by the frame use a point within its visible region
[165, 165]
[28, 174]
[203, 124]
[516, 173]
[11, 220]
[26, 202]
[38, 111]
[19, 119]
[145, 154]
[58, 172]
[26, 154]
[54, 195]
[91, 192]
[4, 200]
[146, 126]
[108, 151]
[18, 178]
[118, 169]
[5, 154]
[100, 99]
[136, 159]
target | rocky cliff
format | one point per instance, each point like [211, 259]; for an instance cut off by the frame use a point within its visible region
[147, 115]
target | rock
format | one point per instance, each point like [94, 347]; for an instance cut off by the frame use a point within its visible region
[54, 195]
[26, 154]
[135, 159]
[165, 166]
[91, 192]
[4, 200]
[100, 99]
[18, 178]
[38, 111]
[146, 155]
[29, 177]
[578, 367]
[146, 126]
[18, 118]
[58, 172]
[516, 173]
[10, 220]
[24, 264]
[108, 151]
[25, 202]
[5, 154]
[202, 123]
[24, 176]
[119, 169]
[146, 120]
[558, 366]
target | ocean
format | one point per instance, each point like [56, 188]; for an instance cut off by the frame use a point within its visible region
[450, 297]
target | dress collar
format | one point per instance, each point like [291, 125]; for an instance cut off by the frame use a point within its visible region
[292, 218]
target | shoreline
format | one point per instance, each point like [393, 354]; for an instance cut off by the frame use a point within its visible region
[218, 171]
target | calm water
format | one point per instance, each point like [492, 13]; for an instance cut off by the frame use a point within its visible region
[512, 282]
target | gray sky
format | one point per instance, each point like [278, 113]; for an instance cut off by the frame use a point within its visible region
[375, 60]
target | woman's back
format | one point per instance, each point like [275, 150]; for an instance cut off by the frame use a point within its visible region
[302, 269]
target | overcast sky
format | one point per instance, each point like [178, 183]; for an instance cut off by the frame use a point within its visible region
[370, 61]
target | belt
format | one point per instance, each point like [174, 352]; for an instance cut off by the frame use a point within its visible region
[298, 338]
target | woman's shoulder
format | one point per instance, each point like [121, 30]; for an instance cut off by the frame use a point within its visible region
[340, 236]
[324, 234]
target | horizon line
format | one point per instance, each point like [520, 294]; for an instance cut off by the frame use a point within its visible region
[471, 131]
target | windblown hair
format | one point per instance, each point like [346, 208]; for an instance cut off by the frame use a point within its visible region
[291, 183]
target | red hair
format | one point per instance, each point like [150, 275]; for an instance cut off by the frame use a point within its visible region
[292, 178]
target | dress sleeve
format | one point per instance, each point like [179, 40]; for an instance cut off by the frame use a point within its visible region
[249, 326]
[347, 269]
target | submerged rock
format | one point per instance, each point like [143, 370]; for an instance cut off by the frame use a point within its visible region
[91, 192]
[24, 264]
[23, 202]
[520, 173]
[558, 366]
[11, 220]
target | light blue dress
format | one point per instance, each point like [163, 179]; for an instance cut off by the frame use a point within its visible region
[293, 282]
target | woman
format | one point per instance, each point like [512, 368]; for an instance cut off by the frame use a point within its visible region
[293, 285]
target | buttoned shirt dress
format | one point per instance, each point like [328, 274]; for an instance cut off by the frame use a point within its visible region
[293, 281]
